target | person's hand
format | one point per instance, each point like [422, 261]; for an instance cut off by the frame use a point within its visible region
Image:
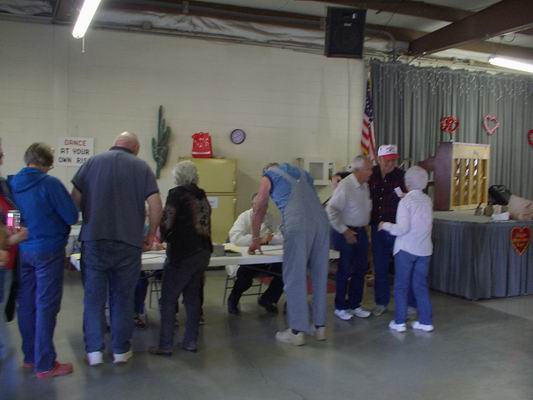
[18, 237]
[3, 258]
[267, 239]
[255, 246]
[148, 241]
[380, 226]
[350, 236]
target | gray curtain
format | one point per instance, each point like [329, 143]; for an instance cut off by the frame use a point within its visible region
[409, 102]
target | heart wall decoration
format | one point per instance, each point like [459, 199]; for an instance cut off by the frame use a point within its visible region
[530, 137]
[449, 124]
[490, 124]
[520, 237]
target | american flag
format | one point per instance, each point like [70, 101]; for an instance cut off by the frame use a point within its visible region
[368, 140]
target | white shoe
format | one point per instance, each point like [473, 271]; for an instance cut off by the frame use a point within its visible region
[122, 358]
[360, 312]
[411, 311]
[287, 336]
[95, 358]
[397, 327]
[379, 310]
[343, 314]
[421, 327]
[320, 333]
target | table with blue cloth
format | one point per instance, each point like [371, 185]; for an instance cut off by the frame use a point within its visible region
[474, 257]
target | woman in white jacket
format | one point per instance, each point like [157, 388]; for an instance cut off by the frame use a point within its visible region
[412, 251]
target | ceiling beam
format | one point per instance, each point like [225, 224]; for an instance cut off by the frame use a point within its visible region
[292, 20]
[498, 19]
[412, 8]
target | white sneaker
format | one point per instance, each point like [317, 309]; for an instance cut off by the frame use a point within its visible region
[426, 328]
[95, 358]
[320, 333]
[379, 310]
[397, 327]
[411, 311]
[122, 358]
[360, 312]
[343, 314]
[287, 336]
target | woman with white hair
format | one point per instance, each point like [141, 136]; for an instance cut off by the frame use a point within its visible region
[412, 251]
[186, 227]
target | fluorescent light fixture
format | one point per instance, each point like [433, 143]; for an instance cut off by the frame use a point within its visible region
[512, 64]
[84, 19]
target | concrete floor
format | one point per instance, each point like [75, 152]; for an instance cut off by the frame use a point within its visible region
[480, 350]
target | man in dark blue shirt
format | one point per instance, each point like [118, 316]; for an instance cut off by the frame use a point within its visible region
[111, 190]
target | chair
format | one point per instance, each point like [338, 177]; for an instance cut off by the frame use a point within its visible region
[230, 282]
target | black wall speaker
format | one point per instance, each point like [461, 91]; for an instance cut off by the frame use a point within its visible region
[345, 32]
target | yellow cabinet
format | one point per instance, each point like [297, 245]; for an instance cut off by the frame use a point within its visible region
[222, 215]
[217, 175]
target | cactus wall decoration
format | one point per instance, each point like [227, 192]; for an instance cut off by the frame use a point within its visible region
[160, 145]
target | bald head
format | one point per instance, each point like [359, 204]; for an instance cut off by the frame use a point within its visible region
[129, 141]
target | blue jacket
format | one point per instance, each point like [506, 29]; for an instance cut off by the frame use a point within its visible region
[46, 209]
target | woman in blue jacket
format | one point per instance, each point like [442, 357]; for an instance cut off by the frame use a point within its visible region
[47, 211]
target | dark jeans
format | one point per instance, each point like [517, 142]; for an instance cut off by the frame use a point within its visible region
[245, 278]
[39, 301]
[109, 266]
[140, 293]
[351, 270]
[382, 246]
[183, 276]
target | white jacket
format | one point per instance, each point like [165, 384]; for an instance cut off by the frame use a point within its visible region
[240, 233]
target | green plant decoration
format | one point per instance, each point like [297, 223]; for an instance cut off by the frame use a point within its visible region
[160, 145]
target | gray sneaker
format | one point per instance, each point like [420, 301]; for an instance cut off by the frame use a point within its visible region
[379, 310]
[287, 336]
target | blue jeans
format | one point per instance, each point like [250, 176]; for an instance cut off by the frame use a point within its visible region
[412, 271]
[351, 270]
[39, 301]
[109, 266]
[5, 284]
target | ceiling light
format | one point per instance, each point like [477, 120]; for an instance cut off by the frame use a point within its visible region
[512, 64]
[84, 19]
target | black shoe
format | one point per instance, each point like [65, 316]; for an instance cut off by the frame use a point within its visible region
[270, 307]
[232, 306]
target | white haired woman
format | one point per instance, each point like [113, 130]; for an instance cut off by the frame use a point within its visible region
[186, 227]
[412, 251]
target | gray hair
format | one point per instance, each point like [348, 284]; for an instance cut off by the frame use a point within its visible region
[185, 173]
[416, 178]
[358, 162]
[39, 154]
[269, 165]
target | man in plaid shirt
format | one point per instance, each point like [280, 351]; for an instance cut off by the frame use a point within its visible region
[386, 188]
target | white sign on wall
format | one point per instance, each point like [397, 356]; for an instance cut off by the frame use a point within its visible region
[213, 201]
[74, 151]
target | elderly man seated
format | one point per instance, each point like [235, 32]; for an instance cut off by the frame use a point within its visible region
[240, 234]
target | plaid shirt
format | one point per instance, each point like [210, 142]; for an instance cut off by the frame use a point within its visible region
[384, 199]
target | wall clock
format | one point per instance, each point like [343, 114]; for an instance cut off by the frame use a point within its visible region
[237, 136]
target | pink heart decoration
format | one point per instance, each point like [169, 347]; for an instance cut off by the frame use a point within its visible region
[490, 119]
[530, 137]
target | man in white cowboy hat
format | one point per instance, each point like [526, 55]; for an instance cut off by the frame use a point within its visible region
[386, 186]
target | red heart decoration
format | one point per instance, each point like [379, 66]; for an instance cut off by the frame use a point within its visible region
[520, 237]
[449, 124]
[530, 137]
[489, 119]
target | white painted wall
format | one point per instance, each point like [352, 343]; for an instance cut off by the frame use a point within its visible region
[290, 104]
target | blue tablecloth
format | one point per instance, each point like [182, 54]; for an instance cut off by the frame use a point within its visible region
[474, 258]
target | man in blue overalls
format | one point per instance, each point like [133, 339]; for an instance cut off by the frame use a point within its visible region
[305, 231]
